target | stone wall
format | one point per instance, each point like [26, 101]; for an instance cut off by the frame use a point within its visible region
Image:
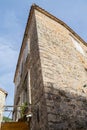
[57, 64]
[66, 110]
[33, 66]
[64, 75]
[39, 118]
[2, 103]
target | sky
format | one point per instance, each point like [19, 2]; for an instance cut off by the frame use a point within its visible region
[13, 18]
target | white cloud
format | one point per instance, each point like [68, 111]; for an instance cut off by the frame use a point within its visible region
[12, 30]
[8, 60]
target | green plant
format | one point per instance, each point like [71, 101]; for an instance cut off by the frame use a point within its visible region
[23, 109]
[7, 119]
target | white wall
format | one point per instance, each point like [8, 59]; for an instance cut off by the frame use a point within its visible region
[2, 103]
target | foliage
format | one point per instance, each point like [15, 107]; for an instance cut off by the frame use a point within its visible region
[6, 119]
[23, 109]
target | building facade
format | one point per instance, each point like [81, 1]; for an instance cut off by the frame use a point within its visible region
[51, 74]
[3, 95]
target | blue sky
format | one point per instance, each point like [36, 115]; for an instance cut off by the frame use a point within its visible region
[13, 18]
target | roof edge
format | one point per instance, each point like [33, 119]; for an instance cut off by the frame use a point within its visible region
[4, 91]
[34, 6]
[25, 35]
[59, 21]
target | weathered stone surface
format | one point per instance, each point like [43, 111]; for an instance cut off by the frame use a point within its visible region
[65, 111]
[64, 76]
[58, 76]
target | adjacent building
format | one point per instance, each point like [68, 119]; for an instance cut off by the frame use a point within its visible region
[3, 95]
[51, 74]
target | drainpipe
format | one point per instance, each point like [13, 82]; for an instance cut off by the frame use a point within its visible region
[29, 114]
[29, 87]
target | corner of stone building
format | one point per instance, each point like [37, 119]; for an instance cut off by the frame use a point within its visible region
[39, 110]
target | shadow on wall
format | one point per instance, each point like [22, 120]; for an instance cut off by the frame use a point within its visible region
[66, 110]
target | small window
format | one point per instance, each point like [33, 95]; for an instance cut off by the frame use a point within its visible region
[27, 49]
[77, 45]
[85, 85]
[38, 115]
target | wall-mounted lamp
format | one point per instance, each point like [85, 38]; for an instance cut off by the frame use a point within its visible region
[29, 116]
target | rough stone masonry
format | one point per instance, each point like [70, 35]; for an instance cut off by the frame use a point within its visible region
[58, 73]
[63, 62]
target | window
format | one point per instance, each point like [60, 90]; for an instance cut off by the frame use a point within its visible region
[77, 46]
[25, 95]
[27, 49]
[25, 91]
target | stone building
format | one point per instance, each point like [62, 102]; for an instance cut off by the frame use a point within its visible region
[51, 74]
[3, 95]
